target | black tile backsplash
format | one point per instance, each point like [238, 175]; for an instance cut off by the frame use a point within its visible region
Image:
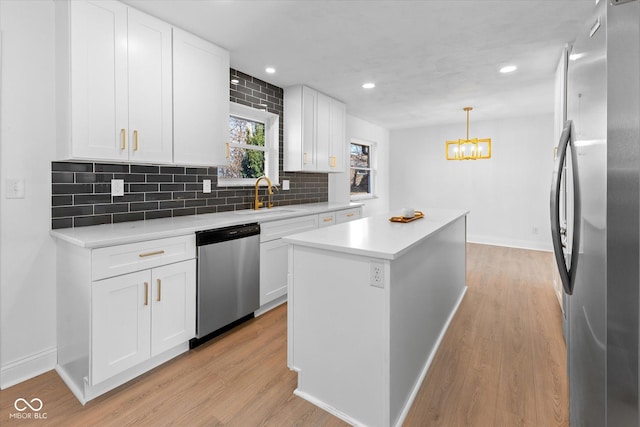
[81, 191]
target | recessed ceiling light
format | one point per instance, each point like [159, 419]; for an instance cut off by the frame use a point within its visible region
[508, 69]
[369, 85]
[270, 70]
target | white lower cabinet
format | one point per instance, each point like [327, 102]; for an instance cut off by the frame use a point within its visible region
[120, 324]
[326, 219]
[273, 270]
[173, 305]
[123, 310]
[139, 315]
[274, 252]
[347, 215]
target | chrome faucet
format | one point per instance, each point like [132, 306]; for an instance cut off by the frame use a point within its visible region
[257, 203]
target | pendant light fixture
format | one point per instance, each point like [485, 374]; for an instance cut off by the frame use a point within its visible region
[469, 149]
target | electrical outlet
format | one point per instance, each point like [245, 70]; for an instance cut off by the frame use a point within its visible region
[117, 187]
[285, 184]
[206, 186]
[377, 274]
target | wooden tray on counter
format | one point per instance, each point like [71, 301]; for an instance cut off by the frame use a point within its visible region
[418, 215]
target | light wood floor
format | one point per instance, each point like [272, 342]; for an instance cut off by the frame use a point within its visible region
[501, 363]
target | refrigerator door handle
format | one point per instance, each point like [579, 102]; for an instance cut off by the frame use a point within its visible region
[566, 275]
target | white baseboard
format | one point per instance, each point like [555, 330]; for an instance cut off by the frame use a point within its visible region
[28, 367]
[270, 305]
[330, 409]
[511, 243]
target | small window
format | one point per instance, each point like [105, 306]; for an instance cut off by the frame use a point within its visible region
[361, 171]
[253, 147]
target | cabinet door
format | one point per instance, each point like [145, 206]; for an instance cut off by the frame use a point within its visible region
[173, 319]
[98, 80]
[200, 101]
[309, 117]
[323, 132]
[273, 270]
[337, 139]
[150, 109]
[120, 322]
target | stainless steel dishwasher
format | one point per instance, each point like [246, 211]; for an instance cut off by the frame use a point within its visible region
[228, 278]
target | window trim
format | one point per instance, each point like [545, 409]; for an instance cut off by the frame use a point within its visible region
[271, 144]
[372, 168]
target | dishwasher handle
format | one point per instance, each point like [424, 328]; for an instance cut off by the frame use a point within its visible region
[209, 237]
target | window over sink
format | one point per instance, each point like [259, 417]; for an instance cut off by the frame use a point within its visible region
[252, 148]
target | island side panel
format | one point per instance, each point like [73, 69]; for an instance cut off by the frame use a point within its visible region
[339, 334]
[427, 284]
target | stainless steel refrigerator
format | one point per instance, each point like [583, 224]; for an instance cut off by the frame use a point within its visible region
[596, 246]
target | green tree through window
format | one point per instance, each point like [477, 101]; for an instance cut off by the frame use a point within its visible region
[247, 152]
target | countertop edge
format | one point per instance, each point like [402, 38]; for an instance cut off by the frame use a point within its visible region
[368, 252]
[75, 236]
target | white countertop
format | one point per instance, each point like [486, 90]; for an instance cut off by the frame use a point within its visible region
[97, 236]
[376, 236]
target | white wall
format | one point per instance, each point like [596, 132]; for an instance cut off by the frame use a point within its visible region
[339, 186]
[508, 195]
[27, 146]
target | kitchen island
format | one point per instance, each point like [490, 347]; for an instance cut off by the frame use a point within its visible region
[369, 302]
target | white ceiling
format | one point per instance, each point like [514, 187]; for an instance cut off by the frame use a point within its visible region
[428, 58]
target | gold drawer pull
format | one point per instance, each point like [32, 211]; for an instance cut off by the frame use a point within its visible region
[135, 140]
[151, 253]
[159, 290]
[228, 151]
[146, 293]
[349, 215]
[123, 139]
[328, 219]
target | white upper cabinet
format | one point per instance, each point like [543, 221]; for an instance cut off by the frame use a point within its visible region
[114, 77]
[314, 134]
[200, 100]
[150, 86]
[132, 88]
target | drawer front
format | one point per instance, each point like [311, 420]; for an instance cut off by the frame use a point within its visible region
[348, 215]
[276, 229]
[121, 259]
[326, 219]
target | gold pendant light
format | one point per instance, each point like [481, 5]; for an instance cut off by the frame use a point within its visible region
[469, 149]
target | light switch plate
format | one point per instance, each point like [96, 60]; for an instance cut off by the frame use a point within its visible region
[206, 186]
[285, 184]
[117, 187]
[14, 188]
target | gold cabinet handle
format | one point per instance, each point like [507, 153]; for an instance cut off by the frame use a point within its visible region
[135, 140]
[123, 139]
[349, 215]
[332, 161]
[146, 293]
[228, 151]
[159, 290]
[151, 254]
[328, 219]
